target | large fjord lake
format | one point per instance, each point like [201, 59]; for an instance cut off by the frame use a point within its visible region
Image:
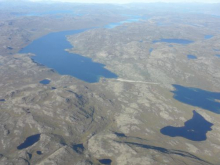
[50, 51]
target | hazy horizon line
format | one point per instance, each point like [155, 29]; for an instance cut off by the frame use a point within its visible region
[118, 1]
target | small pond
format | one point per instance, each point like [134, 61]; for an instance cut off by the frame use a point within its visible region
[194, 129]
[208, 36]
[29, 141]
[45, 82]
[191, 57]
[105, 161]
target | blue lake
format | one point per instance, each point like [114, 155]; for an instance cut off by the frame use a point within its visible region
[176, 41]
[29, 141]
[208, 36]
[50, 51]
[197, 97]
[131, 20]
[191, 57]
[45, 82]
[2, 100]
[217, 55]
[194, 129]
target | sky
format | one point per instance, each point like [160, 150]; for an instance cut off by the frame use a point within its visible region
[128, 1]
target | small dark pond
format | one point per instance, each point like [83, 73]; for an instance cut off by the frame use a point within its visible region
[79, 148]
[29, 141]
[105, 161]
[194, 129]
[120, 134]
[198, 97]
[39, 152]
[208, 36]
[50, 51]
[45, 81]
[29, 155]
[2, 100]
[191, 57]
[176, 41]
